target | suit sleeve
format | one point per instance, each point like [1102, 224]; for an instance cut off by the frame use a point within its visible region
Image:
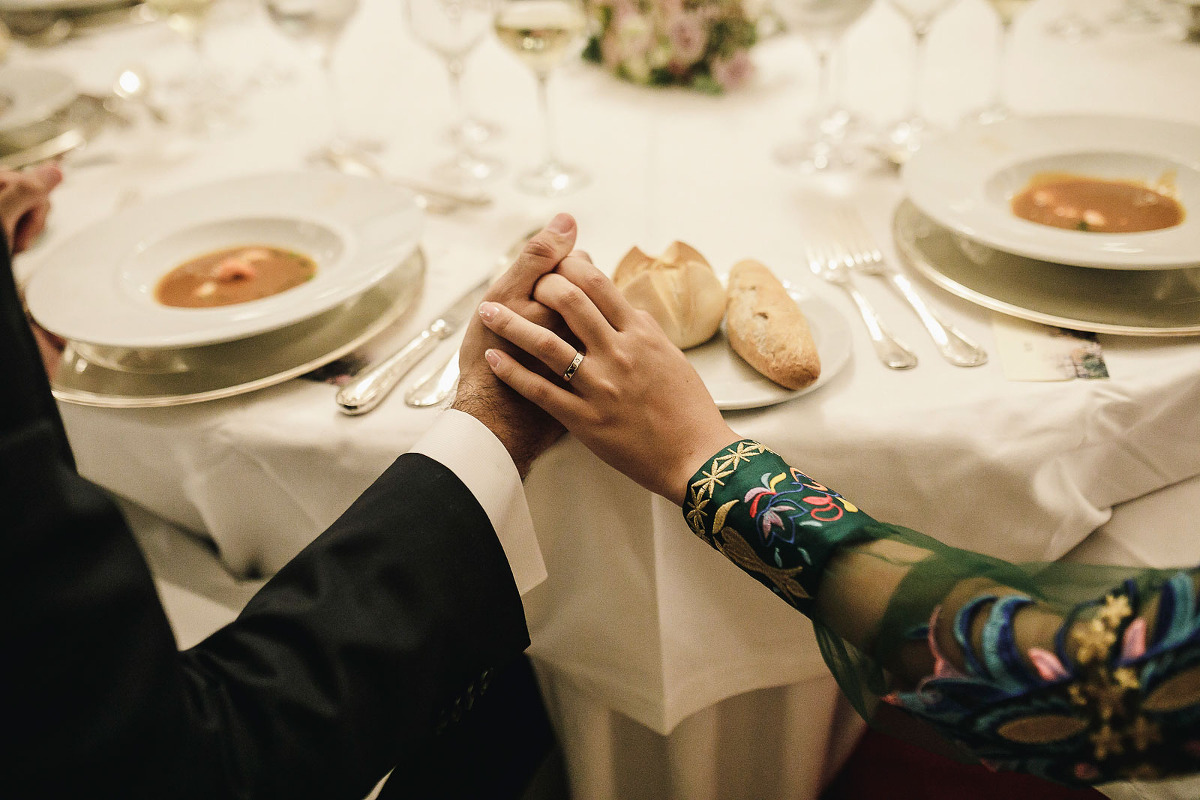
[345, 658]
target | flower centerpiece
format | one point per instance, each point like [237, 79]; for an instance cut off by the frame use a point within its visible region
[700, 44]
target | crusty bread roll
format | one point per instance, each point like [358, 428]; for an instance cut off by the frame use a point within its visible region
[679, 289]
[768, 329]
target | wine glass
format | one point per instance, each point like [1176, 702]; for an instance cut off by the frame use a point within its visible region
[198, 89]
[542, 33]
[824, 142]
[452, 29]
[998, 109]
[905, 136]
[318, 25]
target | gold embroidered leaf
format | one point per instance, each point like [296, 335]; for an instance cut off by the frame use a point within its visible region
[722, 512]
[1042, 729]
[1177, 692]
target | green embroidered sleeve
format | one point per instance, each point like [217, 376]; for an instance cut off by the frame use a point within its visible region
[770, 519]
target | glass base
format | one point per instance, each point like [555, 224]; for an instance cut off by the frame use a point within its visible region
[466, 169]
[904, 138]
[990, 115]
[473, 132]
[836, 141]
[552, 179]
[1072, 26]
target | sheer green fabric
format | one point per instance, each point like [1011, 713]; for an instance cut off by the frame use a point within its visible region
[1081, 674]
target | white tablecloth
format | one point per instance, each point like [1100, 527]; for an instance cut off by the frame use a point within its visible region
[660, 660]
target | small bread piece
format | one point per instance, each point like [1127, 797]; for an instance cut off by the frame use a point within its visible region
[768, 329]
[679, 289]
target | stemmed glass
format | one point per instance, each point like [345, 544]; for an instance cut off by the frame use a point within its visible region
[542, 33]
[905, 136]
[452, 29]
[998, 109]
[199, 88]
[824, 142]
[318, 25]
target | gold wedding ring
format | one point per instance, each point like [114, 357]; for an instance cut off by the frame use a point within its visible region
[575, 362]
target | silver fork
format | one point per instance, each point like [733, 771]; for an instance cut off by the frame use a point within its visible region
[832, 263]
[867, 258]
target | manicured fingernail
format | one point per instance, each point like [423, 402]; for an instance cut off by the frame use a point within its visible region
[487, 311]
[493, 358]
[562, 223]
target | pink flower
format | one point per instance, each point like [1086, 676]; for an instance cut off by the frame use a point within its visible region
[688, 38]
[733, 72]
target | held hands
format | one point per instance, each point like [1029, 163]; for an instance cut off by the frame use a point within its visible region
[524, 429]
[634, 400]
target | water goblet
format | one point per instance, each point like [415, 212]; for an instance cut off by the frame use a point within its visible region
[824, 142]
[452, 29]
[318, 25]
[542, 34]
[904, 137]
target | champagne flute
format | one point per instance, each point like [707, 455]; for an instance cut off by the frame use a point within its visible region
[823, 143]
[317, 25]
[542, 33]
[999, 109]
[905, 136]
[452, 29]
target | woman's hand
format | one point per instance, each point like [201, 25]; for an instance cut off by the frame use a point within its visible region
[634, 400]
[25, 202]
[522, 428]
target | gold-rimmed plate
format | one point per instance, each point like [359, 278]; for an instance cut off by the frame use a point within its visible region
[112, 377]
[1126, 302]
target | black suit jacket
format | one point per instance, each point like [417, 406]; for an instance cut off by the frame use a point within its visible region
[347, 662]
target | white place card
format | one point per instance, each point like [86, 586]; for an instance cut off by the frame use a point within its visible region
[1029, 351]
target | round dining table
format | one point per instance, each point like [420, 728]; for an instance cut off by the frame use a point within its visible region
[668, 673]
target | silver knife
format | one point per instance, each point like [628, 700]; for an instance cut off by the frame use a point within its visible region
[369, 389]
[434, 387]
[51, 148]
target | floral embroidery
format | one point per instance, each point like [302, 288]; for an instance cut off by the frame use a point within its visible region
[797, 522]
[1108, 706]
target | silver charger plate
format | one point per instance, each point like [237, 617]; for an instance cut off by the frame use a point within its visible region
[1162, 302]
[111, 377]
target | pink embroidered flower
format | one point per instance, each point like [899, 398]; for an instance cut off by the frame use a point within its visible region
[688, 37]
[1133, 644]
[733, 72]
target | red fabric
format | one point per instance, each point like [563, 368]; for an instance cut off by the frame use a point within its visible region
[885, 767]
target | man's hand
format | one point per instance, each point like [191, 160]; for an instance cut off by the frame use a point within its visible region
[25, 202]
[523, 428]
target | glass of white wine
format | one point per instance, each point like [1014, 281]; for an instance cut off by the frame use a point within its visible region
[452, 29]
[824, 142]
[998, 109]
[904, 137]
[317, 25]
[198, 91]
[543, 33]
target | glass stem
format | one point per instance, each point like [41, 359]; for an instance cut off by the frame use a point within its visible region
[454, 69]
[333, 93]
[920, 33]
[999, 90]
[543, 82]
[825, 95]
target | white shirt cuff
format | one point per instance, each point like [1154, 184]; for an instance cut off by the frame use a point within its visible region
[466, 447]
